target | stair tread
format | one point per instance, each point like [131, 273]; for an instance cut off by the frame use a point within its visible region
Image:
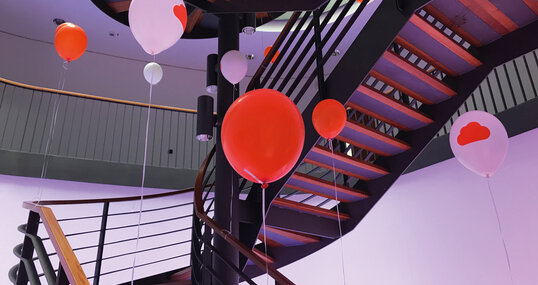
[430, 9]
[284, 238]
[373, 139]
[337, 169]
[418, 73]
[338, 156]
[449, 45]
[324, 188]
[309, 209]
[374, 100]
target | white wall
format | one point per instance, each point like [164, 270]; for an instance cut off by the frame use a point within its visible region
[14, 190]
[437, 226]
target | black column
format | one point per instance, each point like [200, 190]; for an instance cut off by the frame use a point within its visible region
[226, 193]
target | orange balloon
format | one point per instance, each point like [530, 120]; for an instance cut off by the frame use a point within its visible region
[329, 118]
[70, 41]
[266, 52]
[263, 135]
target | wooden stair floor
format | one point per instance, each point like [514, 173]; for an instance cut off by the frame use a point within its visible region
[280, 237]
[408, 78]
[392, 110]
[305, 208]
[313, 185]
[361, 169]
[421, 38]
[373, 140]
[486, 26]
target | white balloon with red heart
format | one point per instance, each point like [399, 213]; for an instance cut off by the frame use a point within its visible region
[157, 24]
[479, 141]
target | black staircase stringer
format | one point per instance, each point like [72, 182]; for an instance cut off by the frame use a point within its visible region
[354, 66]
[511, 46]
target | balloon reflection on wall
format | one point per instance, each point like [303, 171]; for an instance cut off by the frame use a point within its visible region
[479, 141]
[234, 66]
[70, 41]
[263, 135]
[157, 25]
[329, 118]
[153, 73]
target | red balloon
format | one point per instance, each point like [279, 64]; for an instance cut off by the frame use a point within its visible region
[70, 41]
[329, 118]
[263, 135]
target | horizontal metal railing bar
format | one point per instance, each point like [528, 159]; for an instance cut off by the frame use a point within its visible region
[136, 252]
[111, 200]
[141, 265]
[130, 226]
[93, 97]
[148, 236]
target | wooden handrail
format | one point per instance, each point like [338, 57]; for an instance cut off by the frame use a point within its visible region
[111, 200]
[225, 234]
[95, 97]
[65, 253]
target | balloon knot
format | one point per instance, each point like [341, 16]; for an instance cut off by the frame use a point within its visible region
[264, 186]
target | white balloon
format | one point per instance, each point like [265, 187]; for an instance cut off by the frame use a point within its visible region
[479, 142]
[157, 24]
[153, 73]
[233, 66]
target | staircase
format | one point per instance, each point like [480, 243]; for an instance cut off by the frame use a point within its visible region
[406, 73]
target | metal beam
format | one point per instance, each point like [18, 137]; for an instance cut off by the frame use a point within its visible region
[227, 190]
[249, 6]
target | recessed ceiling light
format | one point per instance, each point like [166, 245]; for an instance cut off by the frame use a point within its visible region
[250, 56]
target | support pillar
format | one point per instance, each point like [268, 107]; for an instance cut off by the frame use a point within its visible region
[226, 193]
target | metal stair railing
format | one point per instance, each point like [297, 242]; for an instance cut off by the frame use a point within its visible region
[205, 228]
[106, 255]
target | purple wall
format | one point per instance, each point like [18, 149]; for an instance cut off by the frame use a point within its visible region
[438, 226]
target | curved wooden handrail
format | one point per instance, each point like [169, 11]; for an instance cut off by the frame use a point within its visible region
[111, 200]
[95, 97]
[65, 253]
[225, 234]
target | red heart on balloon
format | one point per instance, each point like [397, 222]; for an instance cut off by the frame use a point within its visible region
[181, 13]
[472, 132]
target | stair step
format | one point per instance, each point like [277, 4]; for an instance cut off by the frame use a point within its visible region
[408, 78]
[491, 15]
[424, 56]
[342, 161]
[373, 139]
[452, 25]
[280, 237]
[421, 37]
[389, 108]
[313, 185]
[301, 207]
[379, 117]
[339, 170]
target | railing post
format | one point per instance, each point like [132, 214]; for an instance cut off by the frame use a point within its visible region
[61, 279]
[101, 244]
[207, 256]
[28, 247]
[226, 191]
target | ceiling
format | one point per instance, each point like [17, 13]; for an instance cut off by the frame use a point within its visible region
[32, 19]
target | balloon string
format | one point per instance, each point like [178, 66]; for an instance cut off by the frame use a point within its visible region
[143, 178]
[56, 107]
[338, 212]
[264, 186]
[500, 231]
